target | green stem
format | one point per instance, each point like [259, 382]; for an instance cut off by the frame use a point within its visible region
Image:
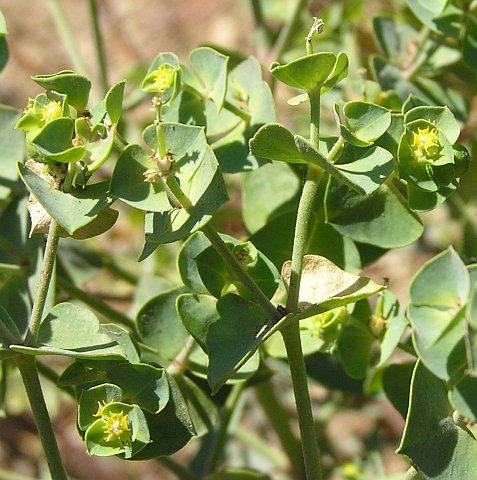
[421, 56]
[260, 23]
[229, 258]
[289, 30]
[44, 283]
[99, 45]
[220, 433]
[237, 271]
[51, 375]
[278, 417]
[67, 39]
[176, 468]
[291, 333]
[27, 366]
[311, 452]
[95, 303]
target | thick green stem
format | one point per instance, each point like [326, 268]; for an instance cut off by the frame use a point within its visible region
[311, 452]
[291, 333]
[278, 417]
[99, 45]
[44, 283]
[67, 39]
[27, 366]
[95, 303]
[221, 430]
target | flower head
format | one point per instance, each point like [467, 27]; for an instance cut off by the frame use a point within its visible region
[116, 427]
[160, 79]
[51, 111]
[425, 143]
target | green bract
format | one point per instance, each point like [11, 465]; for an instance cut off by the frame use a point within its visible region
[75, 86]
[315, 71]
[427, 159]
[163, 77]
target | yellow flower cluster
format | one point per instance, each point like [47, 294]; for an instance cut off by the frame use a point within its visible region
[425, 143]
[163, 77]
[116, 427]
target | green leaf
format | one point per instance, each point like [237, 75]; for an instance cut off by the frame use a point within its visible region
[325, 286]
[248, 92]
[171, 428]
[113, 101]
[198, 313]
[187, 265]
[71, 210]
[127, 181]
[92, 398]
[211, 68]
[397, 384]
[469, 43]
[339, 72]
[54, 142]
[463, 396]
[367, 168]
[232, 337]
[75, 86]
[3, 25]
[73, 331]
[366, 121]
[4, 54]
[436, 446]
[388, 35]
[141, 384]
[217, 278]
[427, 11]
[12, 148]
[160, 327]
[306, 73]
[382, 219]
[274, 142]
[421, 200]
[275, 239]
[396, 323]
[437, 293]
[9, 332]
[312, 155]
[354, 348]
[203, 410]
[268, 192]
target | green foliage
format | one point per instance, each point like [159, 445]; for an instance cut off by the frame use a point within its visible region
[302, 215]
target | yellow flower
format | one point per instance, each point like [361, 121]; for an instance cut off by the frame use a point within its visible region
[51, 111]
[162, 78]
[425, 143]
[116, 427]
